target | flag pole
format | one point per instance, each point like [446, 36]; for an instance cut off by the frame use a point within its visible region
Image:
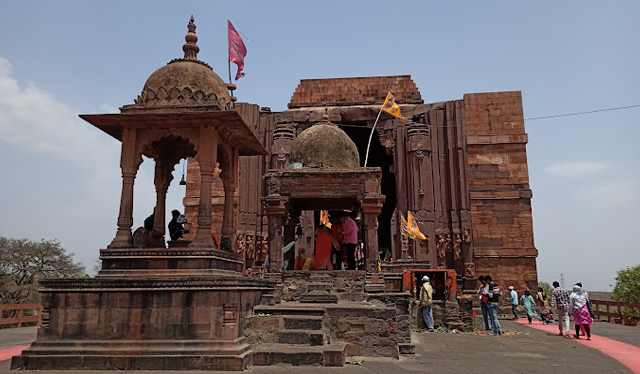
[229, 64]
[366, 157]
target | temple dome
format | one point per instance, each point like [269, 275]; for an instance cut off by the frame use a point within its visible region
[325, 144]
[186, 82]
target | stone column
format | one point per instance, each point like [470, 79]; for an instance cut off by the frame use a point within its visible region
[162, 180]
[129, 166]
[230, 183]
[275, 216]
[206, 158]
[370, 218]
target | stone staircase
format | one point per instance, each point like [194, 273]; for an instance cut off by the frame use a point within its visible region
[293, 335]
[319, 289]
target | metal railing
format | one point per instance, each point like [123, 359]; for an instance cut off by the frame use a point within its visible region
[610, 309]
[16, 314]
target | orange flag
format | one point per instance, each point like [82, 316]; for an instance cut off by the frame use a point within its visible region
[391, 107]
[324, 218]
[414, 231]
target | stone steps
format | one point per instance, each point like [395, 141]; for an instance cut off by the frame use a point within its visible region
[301, 322]
[328, 355]
[300, 337]
[281, 310]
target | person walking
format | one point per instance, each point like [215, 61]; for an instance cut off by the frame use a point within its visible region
[542, 299]
[426, 300]
[494, 303]
[483, 293]
[529, 305]
[513, 296]
[581, 317]
[560, 299]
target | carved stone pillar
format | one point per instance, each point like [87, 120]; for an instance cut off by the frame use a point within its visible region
[162, 180]
[206, 158]
[129, 163]
[370, 212]
[230, 183]
[275, 215]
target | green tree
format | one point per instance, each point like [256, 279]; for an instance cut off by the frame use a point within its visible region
[23, 262]
[627, 287]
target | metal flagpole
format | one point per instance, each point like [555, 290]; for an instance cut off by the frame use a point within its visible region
[366, 157]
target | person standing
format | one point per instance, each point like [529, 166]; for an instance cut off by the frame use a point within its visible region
[513, 296]
[560, 299]
[494, 303]
[529, 305]
[483, 292]
[578, 307]
[350, 233]
[426, 300]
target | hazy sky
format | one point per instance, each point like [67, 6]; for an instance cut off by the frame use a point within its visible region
[61, 177]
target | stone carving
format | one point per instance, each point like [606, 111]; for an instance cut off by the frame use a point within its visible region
[176, 96]
[447, 240]
[469, 270]
[466, 235]
[273, 186]
[440, 243]
[457, 244]
[240, 245]
[250, 246]
[264, 247]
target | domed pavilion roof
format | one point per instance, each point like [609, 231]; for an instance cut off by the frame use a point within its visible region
[186, 82]
[325, 144]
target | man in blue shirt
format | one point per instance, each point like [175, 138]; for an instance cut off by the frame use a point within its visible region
[513, 295]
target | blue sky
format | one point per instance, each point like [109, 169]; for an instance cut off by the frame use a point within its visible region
[61, 177]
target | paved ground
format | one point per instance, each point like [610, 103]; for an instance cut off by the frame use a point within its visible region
[530, 351]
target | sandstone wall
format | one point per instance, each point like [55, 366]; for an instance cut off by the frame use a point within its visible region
[499, 188]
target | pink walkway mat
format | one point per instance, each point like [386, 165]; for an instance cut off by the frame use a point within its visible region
[626, 354]
[6, 354]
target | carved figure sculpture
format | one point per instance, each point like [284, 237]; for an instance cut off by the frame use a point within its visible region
[466, 235]
[240, 245]
[263, 247]
[249, 243]
[440, 244]
[469, 270]
[457, 245]
[447, 240]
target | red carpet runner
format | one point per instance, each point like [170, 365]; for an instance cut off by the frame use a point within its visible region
[626, 354]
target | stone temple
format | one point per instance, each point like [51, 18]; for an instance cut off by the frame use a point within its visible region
[226, 296]
[459, 166]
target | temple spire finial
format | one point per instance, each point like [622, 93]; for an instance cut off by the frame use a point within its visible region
[190, 48]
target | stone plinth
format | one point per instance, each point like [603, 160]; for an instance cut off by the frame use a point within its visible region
[168, 263]
[144, 324]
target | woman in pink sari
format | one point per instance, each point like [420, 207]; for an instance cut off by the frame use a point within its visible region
[581, 316]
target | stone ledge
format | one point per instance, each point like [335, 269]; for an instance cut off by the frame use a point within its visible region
[119, 285]
[505, 252]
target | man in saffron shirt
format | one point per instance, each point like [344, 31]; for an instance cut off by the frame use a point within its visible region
[350, 233]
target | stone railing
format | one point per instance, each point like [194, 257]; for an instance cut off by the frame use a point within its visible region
[15, 314]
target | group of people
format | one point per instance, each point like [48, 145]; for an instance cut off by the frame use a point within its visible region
[490, 293]
[175, 226]
[332, 246]
[576, 304]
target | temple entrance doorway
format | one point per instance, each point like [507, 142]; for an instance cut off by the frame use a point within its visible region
[379, 157]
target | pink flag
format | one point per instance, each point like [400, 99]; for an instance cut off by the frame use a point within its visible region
[237, 50]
